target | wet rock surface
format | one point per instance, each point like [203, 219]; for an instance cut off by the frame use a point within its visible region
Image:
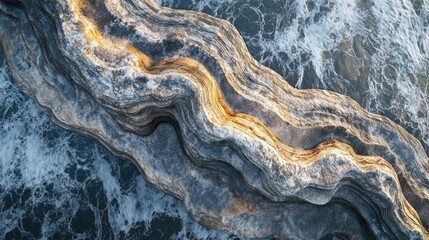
[178, 93]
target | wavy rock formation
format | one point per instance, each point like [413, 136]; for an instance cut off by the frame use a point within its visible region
[178, 93]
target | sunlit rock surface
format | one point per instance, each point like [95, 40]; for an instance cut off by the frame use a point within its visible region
[178, 93]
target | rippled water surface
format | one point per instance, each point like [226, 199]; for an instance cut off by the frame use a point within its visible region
[58, 184]
[374, 51]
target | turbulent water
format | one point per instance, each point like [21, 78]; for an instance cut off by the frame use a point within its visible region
[56, 183]
[376, 52]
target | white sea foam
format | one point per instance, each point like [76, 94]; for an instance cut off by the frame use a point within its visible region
[403, 39]
[33, 157]
[320, 36]
[392, 78]
[40, 165]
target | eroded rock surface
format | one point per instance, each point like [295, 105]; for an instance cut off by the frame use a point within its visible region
[178, 93]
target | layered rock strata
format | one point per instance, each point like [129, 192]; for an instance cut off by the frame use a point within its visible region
[178, 93]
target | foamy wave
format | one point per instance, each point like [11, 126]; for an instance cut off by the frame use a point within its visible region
[312, 44]
[50, 178]
[376, 52]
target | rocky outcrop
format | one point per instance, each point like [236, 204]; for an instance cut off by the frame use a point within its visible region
[178, 93]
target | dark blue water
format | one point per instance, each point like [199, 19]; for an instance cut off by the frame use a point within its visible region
[58, 184]
[374, 51]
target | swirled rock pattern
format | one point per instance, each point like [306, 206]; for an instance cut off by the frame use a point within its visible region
[178, 93]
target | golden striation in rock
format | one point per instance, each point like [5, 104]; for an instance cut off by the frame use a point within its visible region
[178, 93]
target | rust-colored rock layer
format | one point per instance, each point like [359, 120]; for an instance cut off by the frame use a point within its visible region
[178, 93]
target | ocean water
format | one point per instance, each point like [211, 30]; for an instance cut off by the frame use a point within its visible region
[374, 51]
[59, 184]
